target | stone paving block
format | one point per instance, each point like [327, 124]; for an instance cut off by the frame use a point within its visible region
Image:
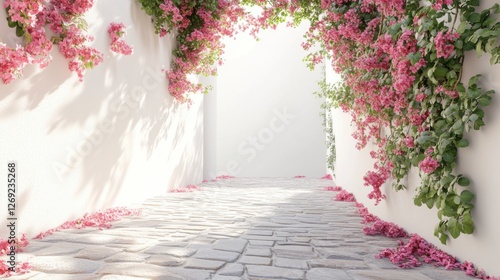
[289, 243]
[25, 276]
[267, 238]
[96, 253]
[204, 264]
[171, 251]
[121, 277]
[255, 260]
[261, 243]
[274, 272]
[173, 244]
[36, 246]
[217, 255]
[441, 273]
[232, 269]
[103, 239]
[387, 275]
[233, 245]
[59, 237]
[329, 253]
[340, 264]
[294, 230]
[327, 274]
[61, 248]
[153, 271]
[259, 232]
[136, 248]
[127, 257]
[44, 276]
[222, 277]
[294, 252]
[67, 265]
[284, 234]
[299, 239]
[379, 263]
[326, 243]
[268, 225]
[260, 252]
[291, 263]
[165, 260]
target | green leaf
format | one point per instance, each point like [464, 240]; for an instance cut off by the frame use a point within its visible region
[454, 231]
[460, 88]
[19, 31]
[463, 143]
[473, 93]
[484, 101]
[414, 57]
[443, 238]
[462, 27]
[417, 201]
[448, 211]
[452, 222]
[467, 224]
[440, 72]
[430, 203]
[466, 196]
[10, 23]
[473, 3]
[464, 181]
[474, 18]
[473, 80]
[451, 75]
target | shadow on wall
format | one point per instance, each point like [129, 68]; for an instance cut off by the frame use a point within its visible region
[114, 139]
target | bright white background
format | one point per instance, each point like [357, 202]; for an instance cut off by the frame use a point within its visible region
[268, 122]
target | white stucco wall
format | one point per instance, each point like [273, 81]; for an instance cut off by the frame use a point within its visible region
[114, 139]
[268, 122]
[479, 161]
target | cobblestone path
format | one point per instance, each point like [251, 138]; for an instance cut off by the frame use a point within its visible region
[231, 229]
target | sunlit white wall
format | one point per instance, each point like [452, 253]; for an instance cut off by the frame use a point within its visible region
[479, 161]
[114, 139]
[268, 122]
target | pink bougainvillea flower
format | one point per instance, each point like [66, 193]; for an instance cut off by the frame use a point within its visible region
[343, 195]
[332, 188]
[118, 45]
[100, 219]
[445, 43]
[188, 188]
[428, 165]
[327, 177]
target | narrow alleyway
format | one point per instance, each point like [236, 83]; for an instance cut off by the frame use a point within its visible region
[232, 229]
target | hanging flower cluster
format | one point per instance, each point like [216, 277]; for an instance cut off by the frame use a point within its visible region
[118, 45]
[199, 26]
[64, 18]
